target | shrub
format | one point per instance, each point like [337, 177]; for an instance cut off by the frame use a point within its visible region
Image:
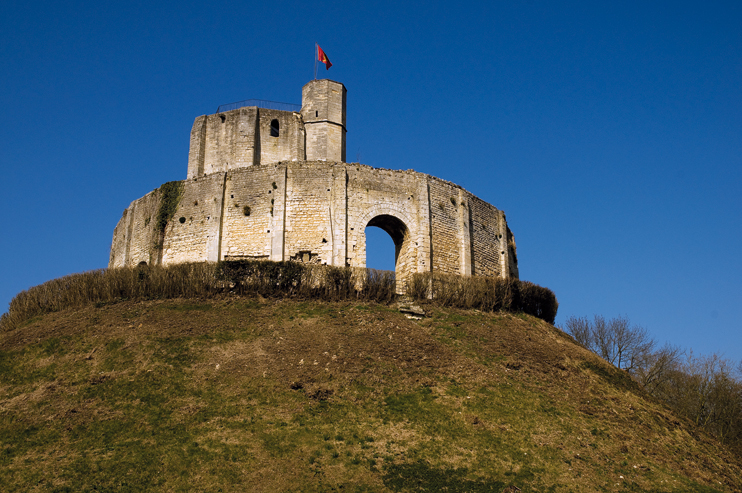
[171, 193]
[485, 293]
[296, 279]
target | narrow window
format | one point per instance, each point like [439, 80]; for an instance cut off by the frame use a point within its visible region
[274, 128]
[316, 114]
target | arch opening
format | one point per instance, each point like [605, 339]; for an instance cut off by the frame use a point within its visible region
[380, 249]
[403, 261]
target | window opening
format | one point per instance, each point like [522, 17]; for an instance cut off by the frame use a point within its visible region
[274, 128]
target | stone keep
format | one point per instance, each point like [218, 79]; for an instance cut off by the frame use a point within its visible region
[274, 185]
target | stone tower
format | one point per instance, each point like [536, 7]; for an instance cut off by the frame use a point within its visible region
[270, 184]
[323, 112]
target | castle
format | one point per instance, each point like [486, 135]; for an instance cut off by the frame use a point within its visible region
[273, 184]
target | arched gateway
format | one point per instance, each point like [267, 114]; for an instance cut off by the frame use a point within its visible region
[253, 195]
[395, 223]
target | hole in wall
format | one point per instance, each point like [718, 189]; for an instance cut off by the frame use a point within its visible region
[316, 113]
[182, 220]
[246, 210]
[224, 118]
[274, 128]
[306, 257]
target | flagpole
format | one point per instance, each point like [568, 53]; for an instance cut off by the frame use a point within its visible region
[315, 60]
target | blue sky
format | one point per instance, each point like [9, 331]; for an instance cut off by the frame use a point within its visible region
[611, 135]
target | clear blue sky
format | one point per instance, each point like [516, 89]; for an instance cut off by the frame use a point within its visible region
[611, 135]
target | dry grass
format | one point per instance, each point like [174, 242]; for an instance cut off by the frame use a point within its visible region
[282, 395]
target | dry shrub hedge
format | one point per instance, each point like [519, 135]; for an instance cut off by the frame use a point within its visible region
[199, 280]
[294, 279]
[485, 293]
[306, 280]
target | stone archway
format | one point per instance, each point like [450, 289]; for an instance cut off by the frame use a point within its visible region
[396, 225]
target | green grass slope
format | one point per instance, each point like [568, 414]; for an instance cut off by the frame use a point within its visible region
[265, 395]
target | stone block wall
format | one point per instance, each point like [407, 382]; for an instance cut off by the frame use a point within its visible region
[289, 144]
[309, 207]
[323, 112]
[486, 242]
[318, 212]
[248, 213]
[193, 234]
[134, 237]
[242, 137]
[445, 224]
[252, 136]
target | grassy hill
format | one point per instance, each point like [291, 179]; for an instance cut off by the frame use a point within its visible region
[239, 394]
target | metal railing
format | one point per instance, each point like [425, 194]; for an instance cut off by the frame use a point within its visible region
[260, 103]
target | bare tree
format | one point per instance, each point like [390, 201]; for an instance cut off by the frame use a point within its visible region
[706, 389]
[580, 329]
[654, 369]
[616, 340]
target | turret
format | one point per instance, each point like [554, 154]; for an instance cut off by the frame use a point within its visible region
[323, 112]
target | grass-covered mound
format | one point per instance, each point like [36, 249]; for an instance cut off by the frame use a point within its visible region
[237, 394]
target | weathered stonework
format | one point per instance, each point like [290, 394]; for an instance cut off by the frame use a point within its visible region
[269, 184]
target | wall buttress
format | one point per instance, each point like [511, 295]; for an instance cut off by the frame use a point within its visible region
[465, 235]
[504, 254]
[424, 240]
[339, 216]
[278, 229]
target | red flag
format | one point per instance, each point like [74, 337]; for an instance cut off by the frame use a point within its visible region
[323, 58]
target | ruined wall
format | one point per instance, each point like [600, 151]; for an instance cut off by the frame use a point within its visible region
[317, 212]
[309, 212]
[444, 212]
[193, 233]
[289, 144]
[243, 137]
[134, 237]
[270, 184]
[249, 212]
[486, 242]
[395, 201]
